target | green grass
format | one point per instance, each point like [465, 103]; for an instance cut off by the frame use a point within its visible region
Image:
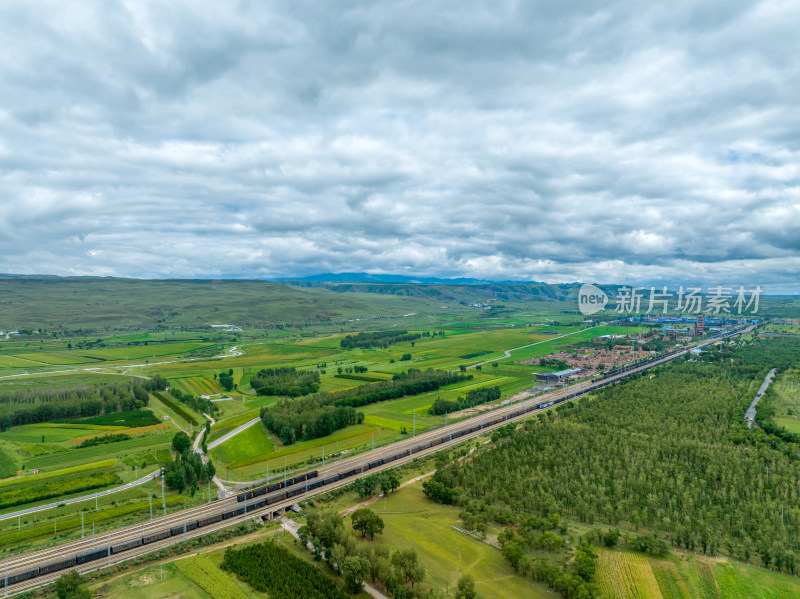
[74, 523]
[58, 473]
[7, 467]
[117, 450]
[412, 521]
[358, 436]
[50, 433]
[784, 396]
[205, 574]
[178, 408]
[152, 582]
[253, 441]
[736, 580]
[98, 303]
[161, 409]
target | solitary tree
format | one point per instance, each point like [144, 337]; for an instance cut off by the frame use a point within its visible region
[181, 442]
[367, 522]
[466, 588]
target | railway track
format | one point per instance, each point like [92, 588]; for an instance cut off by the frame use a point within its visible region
[30, 570]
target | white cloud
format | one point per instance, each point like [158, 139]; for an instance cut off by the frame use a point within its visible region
[498, 140]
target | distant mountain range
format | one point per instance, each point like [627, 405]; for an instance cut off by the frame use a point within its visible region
[364, 277]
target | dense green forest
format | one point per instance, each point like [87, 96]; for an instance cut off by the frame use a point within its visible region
[46, 405]
[665, 453]
[474, 397]
[285, 381]
[272, 569]
[377, 339]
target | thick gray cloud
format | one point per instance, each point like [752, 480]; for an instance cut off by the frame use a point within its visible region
[545, 141]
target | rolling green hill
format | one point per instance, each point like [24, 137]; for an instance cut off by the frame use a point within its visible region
[94, 303]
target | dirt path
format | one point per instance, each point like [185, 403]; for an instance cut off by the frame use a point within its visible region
[372, 500]
[508, 351]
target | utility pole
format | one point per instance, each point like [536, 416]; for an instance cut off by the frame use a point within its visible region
[209, 489]
[323, 457]
[95, 501]
[163, 502]
[151, 506]
[82, 535]
[415, 423]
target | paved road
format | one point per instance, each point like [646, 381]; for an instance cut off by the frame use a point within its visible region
[231, 353]
[292, 527]
[40, 508]
[508, 351]
[223, 490]
[750, 415]
[234, 432]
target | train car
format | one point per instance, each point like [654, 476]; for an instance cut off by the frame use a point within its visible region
[295, 492]
[312, 474]
[233, 513]
[330, 479]
[436, 442]
[347, 474]
[156, 536]
[126, 545]
[276, 498]
[209, 520]
[15, 578]
[375, 464]
[299, 479]
[316, 484]
[258, 504]
[180, 529]
[56, 566]
[89, 556]
[259, 492]
[244, 496]
[274, 487]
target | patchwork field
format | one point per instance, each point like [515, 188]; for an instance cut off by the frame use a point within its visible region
[626, 575]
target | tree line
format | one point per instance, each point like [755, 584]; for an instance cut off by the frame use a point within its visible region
[474, 397]
[44, 405]
[378, 339]
[285, 381]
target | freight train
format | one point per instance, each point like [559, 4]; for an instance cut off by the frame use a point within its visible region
[298, 485]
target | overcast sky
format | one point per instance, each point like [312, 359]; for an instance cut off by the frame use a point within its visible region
[551, 141]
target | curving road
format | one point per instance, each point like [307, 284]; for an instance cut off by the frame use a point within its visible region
[750, 415]
[234, 432]
[49, 506]
[508, 351]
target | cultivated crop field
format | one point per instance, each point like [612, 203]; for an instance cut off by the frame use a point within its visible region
[623, 575]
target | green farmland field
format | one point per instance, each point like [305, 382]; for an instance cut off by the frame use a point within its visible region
[254, 441]
[114, 450]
